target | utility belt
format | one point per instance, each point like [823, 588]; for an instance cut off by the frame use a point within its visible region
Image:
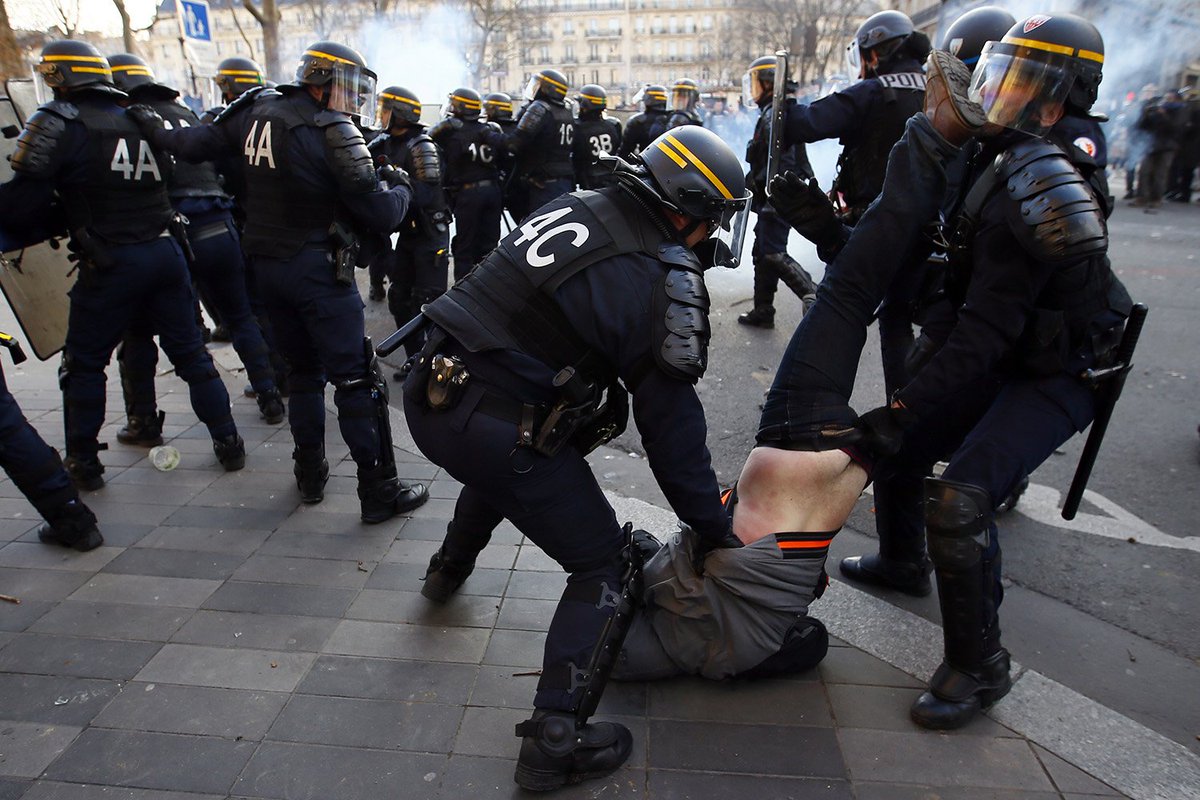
[91, 254]
[477, 185]
[584, 417]
[198, 233]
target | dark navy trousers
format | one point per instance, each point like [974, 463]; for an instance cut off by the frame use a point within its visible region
[33, 466]
[476, 226]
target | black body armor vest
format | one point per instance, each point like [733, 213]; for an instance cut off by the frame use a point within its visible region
[418, 155]
[861, 166]
[594, 136]
[125, 198]
[548, 154]
[187, 179]
[469, 156]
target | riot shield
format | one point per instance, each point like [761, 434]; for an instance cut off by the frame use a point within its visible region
[778, 115]
[35, 274]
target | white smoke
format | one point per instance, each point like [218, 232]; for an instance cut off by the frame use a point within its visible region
[424, 55]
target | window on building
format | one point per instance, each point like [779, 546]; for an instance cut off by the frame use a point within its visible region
[544, 54]
[569, 27]
[614, 27]
[593, 52]
[639, 24]
[706, 22]
[673, 25]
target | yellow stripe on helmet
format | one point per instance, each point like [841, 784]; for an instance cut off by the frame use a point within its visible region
[674, 156]
[132, 69]
[397, 97]
[762, 66]
[469, 102]
[319, 54]
[93, 59]
[552, 82]
[700, 165]
[592, 97]
[253, 72]
[97, 70]
[500, 104]
[1050, 47]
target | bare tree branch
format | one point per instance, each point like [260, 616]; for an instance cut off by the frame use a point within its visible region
[268, 17]
[241, 31]
[11, 63]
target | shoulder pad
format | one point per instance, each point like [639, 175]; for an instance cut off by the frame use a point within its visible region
[535, 112]
[38, 143]
[677, 255]
[423, 154]
[681, 330]
[239, 104]
[349, 157]
[903, 80]
[1051, 208]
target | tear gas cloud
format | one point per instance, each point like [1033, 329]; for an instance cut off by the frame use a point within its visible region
[423, 55]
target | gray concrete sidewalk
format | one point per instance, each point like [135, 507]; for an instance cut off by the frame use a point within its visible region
[228, 642]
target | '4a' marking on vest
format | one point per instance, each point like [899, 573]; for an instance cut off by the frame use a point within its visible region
[122, 163]
[256, 153]
[532, 231]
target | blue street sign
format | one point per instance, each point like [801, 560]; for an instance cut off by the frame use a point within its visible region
[194, 14]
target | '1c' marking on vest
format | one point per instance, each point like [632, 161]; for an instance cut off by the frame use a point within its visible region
[532, 231]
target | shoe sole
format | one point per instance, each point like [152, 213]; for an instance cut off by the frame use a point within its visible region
[136, 442]
[866, 577]
[957, 78]
[89, 542]
[987, 699]
[535, 780]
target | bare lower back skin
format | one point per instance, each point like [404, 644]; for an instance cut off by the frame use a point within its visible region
[793, 490]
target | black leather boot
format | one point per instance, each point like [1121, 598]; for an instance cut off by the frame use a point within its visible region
[875, 570]
[557, 751]
[955, 696]
[383, 495]
[142, 431]
[231, 452]
[71, 525]
[270, 406]
[758, 317]
[901, 563]
[444, 577]
[86, 472]
[312, 473]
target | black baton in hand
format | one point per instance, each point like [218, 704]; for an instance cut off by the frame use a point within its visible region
[1110, 381]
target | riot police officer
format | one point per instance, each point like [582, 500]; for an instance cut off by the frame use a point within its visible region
[643, 128]
[594, 290]
[417, 265]
[234, 76]
[685, 99]
[596, 134]
[771, 259]
[868, 117]
[472, 149]
[112, 186]
[498, 109]
[217, 269]
[1039, 305]
[310, 184]
[541, 142]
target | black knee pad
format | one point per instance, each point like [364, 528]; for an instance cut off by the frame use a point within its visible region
[957, 519]
[196, 367]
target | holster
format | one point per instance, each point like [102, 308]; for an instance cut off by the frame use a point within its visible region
[448, 377]
[88, 252]
[178, 229]
[345, 253]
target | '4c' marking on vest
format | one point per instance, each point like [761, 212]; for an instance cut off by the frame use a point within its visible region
[532, 231]
[256, 153]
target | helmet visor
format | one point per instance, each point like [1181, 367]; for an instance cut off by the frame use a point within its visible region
[854, 58]
[531, 89]
[683, 99]
[730, 233]
[352, 91]
[1021, 87]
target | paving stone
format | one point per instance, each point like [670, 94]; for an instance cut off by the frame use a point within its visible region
[389, 679]
[26, 748]
[53, 700]
[476, 776]
[139, 475]
[432, 508]
[408, 577]
[227, 518]
[195, 665]
[335, 524]
[426, 530]
[37, 555]
[849, 665]
[49, 790]
[146, 590]
[162, 708]
[205, 540]
[886, 708]
[516, 649]
[527, 615]
[509, 687]
[19, 617]
[11, 788]
[761, 702]
[39, 584]
[303, 571]
[671, 785]
[893, 791]
[460, 612]
[959, 759]
[532, 558]
[355, 638]
[112, 621]
[1070, 779]
[271, 598]
[117, 512]
[489, 732]
[261, 631]
[164, 494]
[40, 654]
[283, 770]
[14, 528]
[357, 545]
[751, 749]
[174, 563]
[153, 761]
[537, 585]
[281, 496]
[377, 724]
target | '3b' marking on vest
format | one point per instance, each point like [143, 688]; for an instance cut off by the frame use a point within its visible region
[532, 232]
[256, 153]
[122, 163]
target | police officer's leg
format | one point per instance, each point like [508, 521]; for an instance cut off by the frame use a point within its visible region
[896, 325]
[468, 209]
[467, 533]
[429, 281]
[774, 232]
[401, 273]
[377, 270]
[1025, 424]
[551, 189]
[170, 294]
[219, 271]
[37, 470]
[258, 309]
[487, 232]
[137, 361]
[766, 280]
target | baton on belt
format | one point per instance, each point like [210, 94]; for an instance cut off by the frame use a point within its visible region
[394, 342]
[1108, 383]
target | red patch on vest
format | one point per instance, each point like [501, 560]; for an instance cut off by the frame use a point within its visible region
[1036, 21]
[1086, 145]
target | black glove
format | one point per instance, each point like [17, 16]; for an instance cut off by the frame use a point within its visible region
[883, 428]
[806, 208]
[391, 177]
[146, 118]
[448, 124]
[703, 545]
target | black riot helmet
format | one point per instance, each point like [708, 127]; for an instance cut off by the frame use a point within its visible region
[465, 104]
[694, 173]
[549, 85]
[652, 97]
[498, 105]
[685, 94]
[344, 72]
[130, 71]
[235, 75]
[592, 99]
[397, 104]
[967, 35]
[883, 33]
[758, 83]
[68, 65]
[1044, 65]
